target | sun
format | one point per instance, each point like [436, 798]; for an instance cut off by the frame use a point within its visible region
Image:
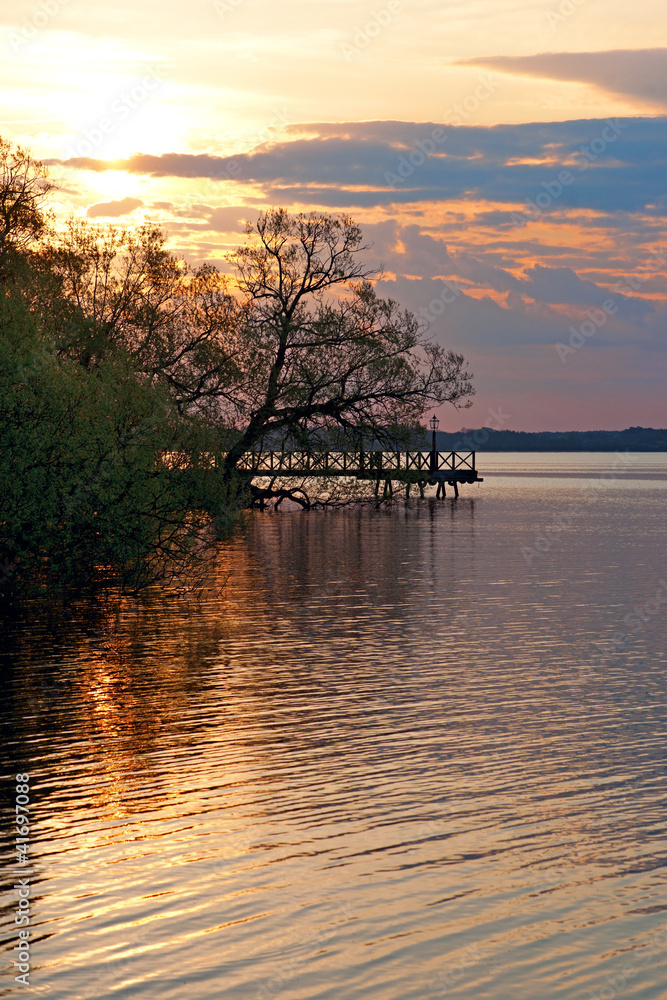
[114, 185]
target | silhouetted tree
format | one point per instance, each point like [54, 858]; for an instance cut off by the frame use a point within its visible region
[320, 357]
[97, 404]
[118, 361]
[24, 184]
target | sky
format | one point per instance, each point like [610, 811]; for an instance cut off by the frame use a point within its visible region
[506, 160]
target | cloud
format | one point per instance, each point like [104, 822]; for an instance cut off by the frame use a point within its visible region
[637, 73]
[113, 209]
[614, 165]
[231, 219]
[520, 286]
[562, 285]
[461, 320]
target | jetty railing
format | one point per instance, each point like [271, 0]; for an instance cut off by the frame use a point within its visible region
[402, 466]
[365, 464]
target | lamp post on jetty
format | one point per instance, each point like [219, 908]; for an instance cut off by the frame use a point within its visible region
[433, 424]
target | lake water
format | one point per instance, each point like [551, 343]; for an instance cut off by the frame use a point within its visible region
[399, 753]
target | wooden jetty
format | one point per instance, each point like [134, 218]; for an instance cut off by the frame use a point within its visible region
[412, 468]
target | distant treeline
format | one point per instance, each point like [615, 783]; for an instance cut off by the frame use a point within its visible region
[486, 439]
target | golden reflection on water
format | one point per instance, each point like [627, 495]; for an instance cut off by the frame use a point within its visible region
[355, 765]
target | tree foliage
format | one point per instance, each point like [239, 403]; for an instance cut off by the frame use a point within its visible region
[118, 361]
[132, 294]
[85, 496]
[94, 411]
[24, 184]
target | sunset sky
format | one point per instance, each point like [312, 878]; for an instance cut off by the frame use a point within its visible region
[507, 160]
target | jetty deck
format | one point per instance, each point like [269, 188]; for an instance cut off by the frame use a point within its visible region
[417, 468]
